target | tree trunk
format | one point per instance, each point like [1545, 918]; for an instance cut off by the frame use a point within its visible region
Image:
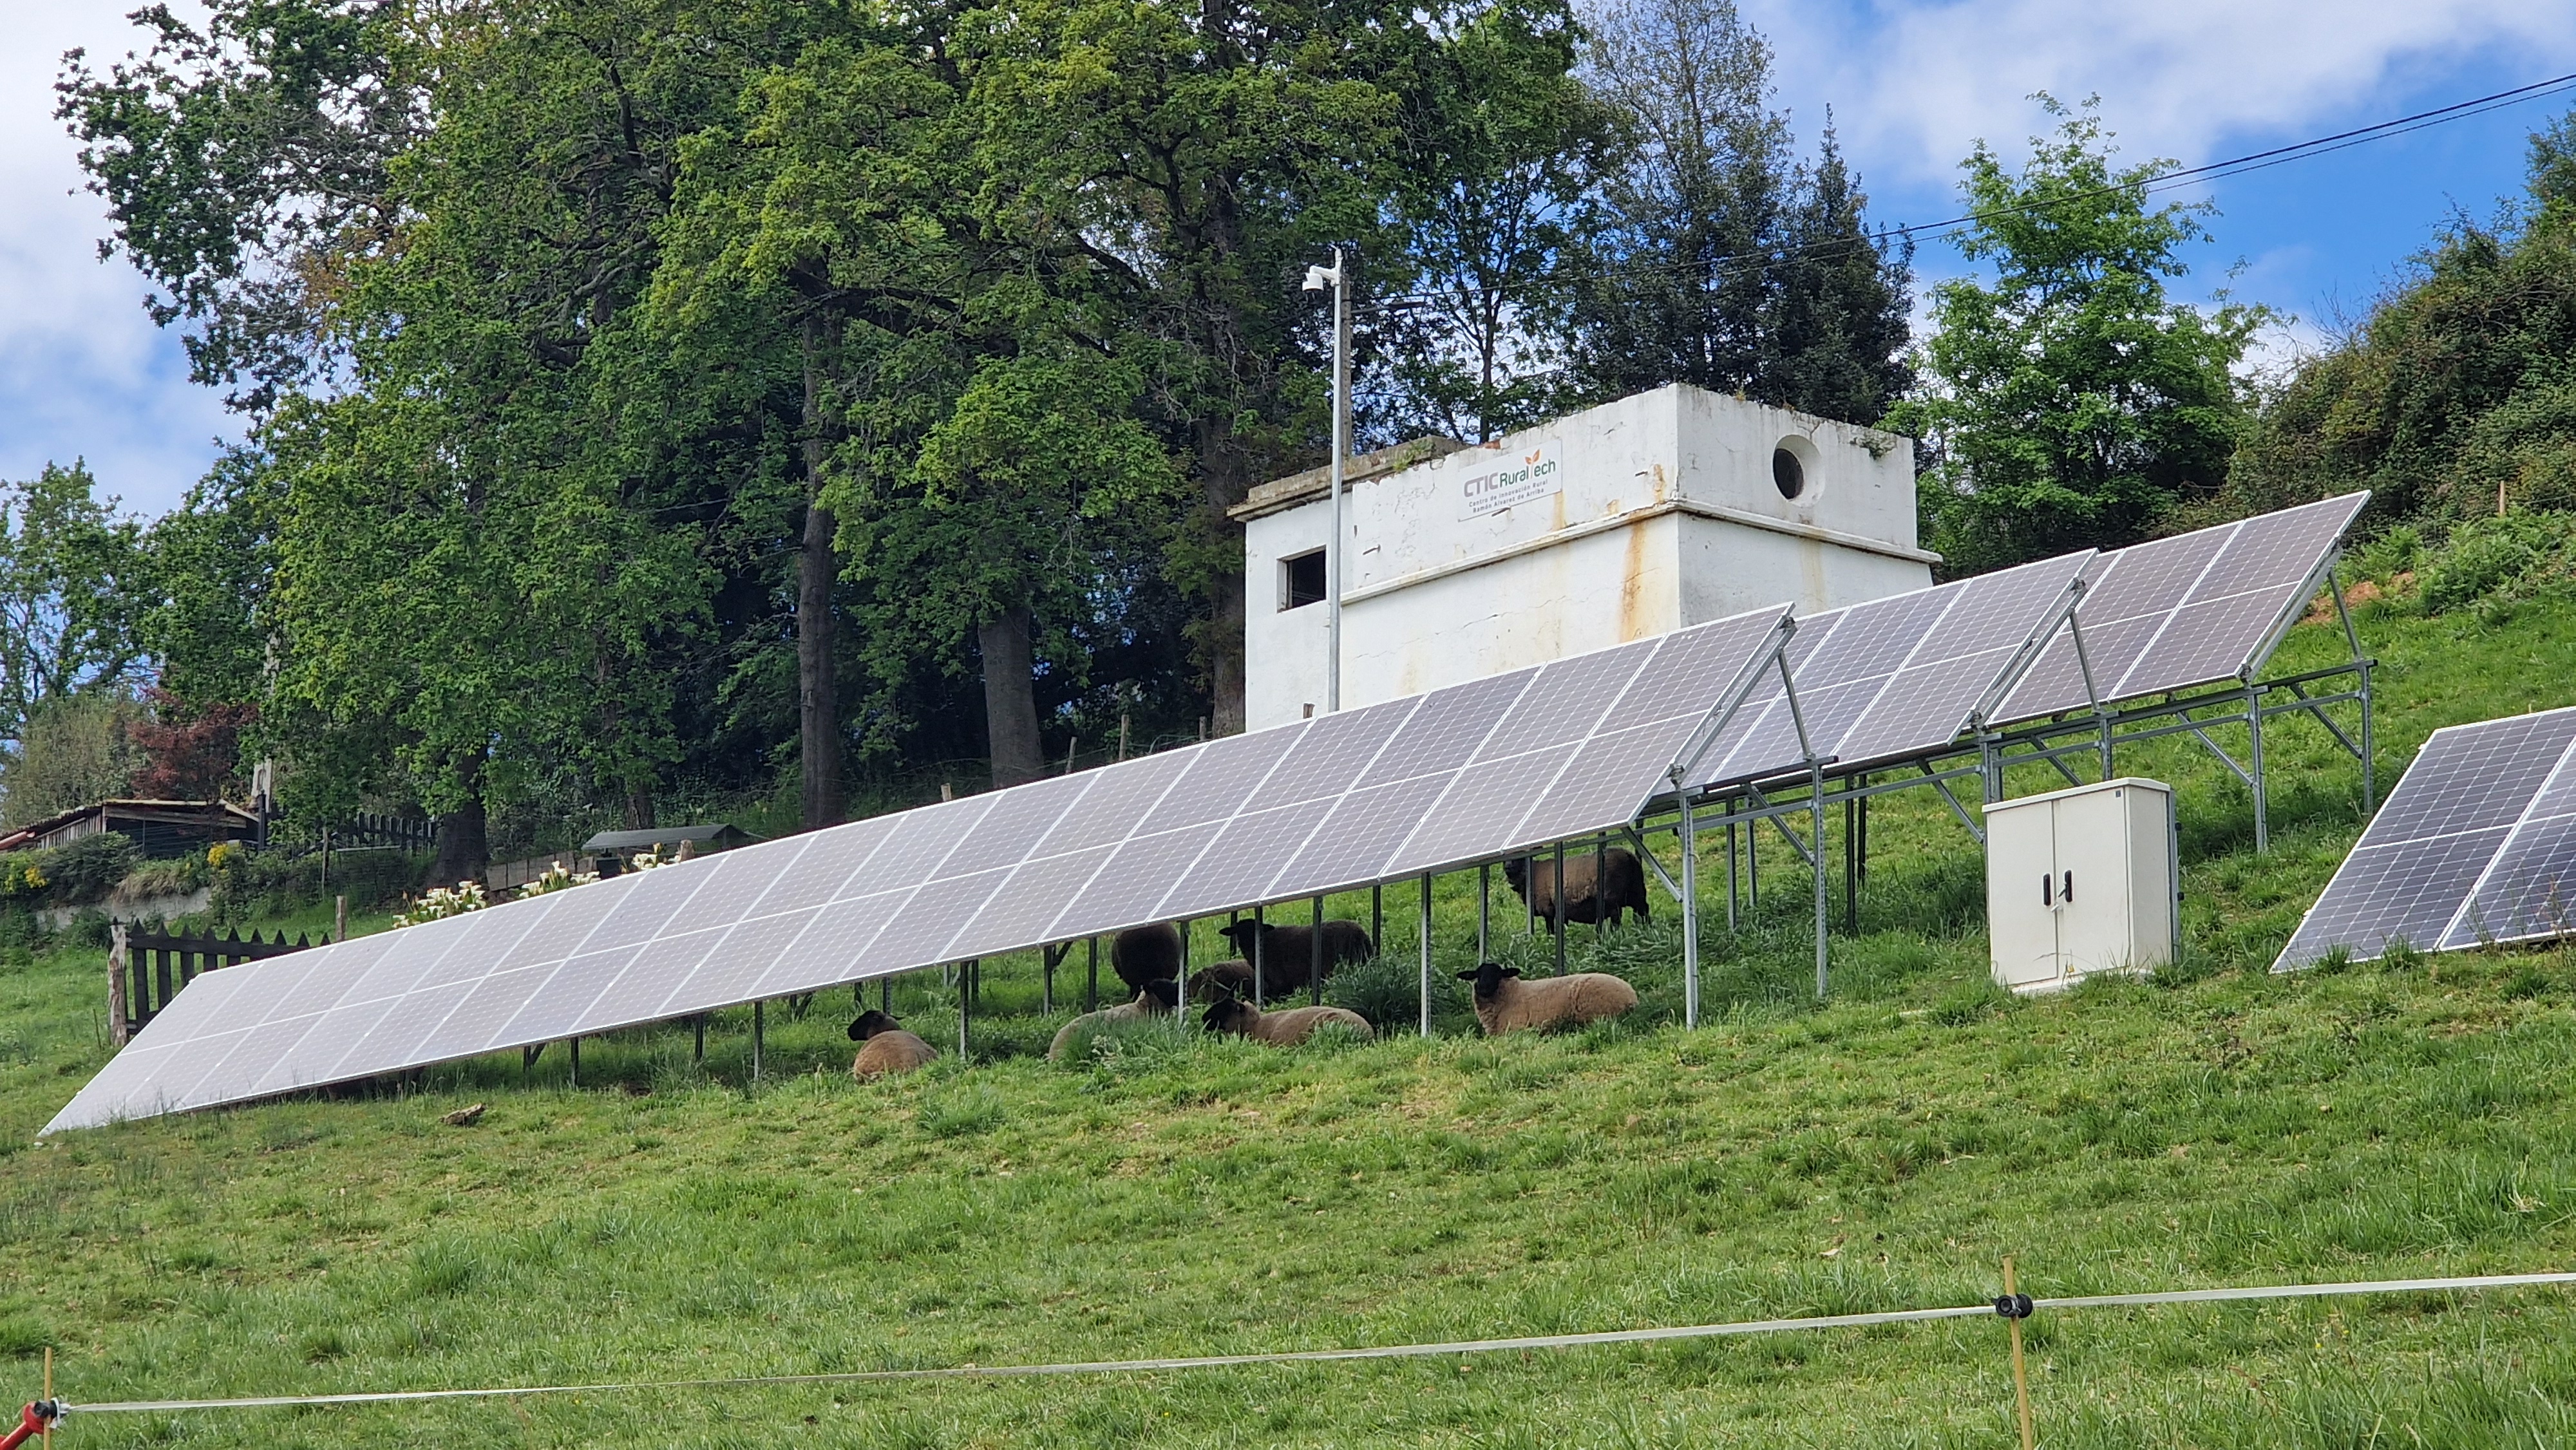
[464, 850]
[1010, 698]
[817, 705]
[639, 803]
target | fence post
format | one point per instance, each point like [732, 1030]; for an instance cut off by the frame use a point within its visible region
[340, 918]
[116, 1029]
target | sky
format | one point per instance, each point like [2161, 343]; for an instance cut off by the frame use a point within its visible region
[1911, 86]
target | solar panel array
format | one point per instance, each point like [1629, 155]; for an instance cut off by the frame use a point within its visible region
[2190, 610]
[1893, 678]
[1468, 773]
[2477, 844]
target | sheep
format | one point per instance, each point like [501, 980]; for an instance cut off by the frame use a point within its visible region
[1507, 1003]
[1145, 954]
[1154, 999]
[1224, 978]
[889, 1049]
[1280, 1029]
[1287, 953]
[1625, 889]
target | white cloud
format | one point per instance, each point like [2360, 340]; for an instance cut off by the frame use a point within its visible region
[83, 372]
[1913, 86]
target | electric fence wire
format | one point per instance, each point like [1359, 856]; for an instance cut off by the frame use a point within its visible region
[2186, 176]
[1392, 1351]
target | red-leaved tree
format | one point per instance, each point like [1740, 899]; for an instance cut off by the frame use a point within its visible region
[190, 752]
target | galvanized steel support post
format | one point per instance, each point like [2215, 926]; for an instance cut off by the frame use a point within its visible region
[756, 1035]
[1690, 916]
[1484, 909]
[1425, 927]
[1315, 955]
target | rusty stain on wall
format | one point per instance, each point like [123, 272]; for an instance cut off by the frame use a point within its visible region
[1635, 621]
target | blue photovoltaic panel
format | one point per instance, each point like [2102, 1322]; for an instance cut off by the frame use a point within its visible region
[1467, 773]
[2476, 844]
[2194, 609]
[1894, 677]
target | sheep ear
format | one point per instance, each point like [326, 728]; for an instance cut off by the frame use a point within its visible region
[1511, 971]
[1466, 976]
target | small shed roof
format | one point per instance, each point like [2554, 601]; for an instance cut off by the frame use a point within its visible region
[220, 815]
[715, 834]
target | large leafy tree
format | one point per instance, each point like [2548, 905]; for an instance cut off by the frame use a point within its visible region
[2456, 395]
[2071, 402]
[1719, 258]
[73, 579]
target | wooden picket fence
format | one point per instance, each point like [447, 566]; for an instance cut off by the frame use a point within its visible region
[146, 969]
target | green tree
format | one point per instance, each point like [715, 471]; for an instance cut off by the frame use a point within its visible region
[73, 578]
[2455, 396]
[1718, 257]
[74, 751]
[2071, 403]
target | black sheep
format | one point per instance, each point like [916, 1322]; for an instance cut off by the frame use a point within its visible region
[1143, 954]
[1625, 890]
[1288, 954]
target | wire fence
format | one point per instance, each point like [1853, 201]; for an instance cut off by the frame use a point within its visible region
[2011, 1307]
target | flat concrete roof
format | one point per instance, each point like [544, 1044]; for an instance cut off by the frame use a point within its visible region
[1314, 483]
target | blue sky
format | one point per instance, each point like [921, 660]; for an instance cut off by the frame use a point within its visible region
[1911, 86]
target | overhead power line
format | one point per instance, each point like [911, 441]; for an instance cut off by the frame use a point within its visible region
[2165, 181]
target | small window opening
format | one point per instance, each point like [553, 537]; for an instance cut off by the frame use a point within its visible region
[1303, 577]
[1787, 473]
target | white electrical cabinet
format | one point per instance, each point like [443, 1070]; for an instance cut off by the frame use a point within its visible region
[2082, 881]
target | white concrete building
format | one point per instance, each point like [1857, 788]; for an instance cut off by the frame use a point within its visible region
[1634, 518]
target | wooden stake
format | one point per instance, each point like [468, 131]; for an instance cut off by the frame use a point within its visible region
[339, 918]
[2021, 1379]
[49, 1390]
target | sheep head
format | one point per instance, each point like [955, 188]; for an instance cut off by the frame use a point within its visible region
[1230, 1014]
[1162, 994]
[1488, 978]
[870, 1023]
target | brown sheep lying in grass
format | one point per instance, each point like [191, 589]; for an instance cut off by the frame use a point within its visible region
[1210, 983]
[889, 1048]
[1154, 1000]
[1281, 1029]
[1623, 887]
[1505, 1002]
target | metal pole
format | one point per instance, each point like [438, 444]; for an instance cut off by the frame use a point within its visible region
[1851, 860]
[1557, 910]
[961, 1019]
[1426, 953]
[1690, 917]
[2254, 734]
[1315, 957]
[1341, 451]
[1377, 917]
[1816, 780]
[756, 1036]
[1484, 910]
[2369, 766]
[1730, 866]
[1047, 959]
[1091, 984]
[698, 1039]
[1259, 986]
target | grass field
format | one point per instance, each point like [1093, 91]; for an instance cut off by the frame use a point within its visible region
[669, 1219]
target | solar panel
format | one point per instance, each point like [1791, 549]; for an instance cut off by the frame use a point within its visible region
[1472, 772]
[1894, 677]
[2190, 610]
[2474, 845]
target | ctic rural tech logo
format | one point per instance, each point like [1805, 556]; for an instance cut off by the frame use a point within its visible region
[1534, 475]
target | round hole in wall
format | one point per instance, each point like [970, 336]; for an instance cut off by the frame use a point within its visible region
[1794, 462]
[1787, 473]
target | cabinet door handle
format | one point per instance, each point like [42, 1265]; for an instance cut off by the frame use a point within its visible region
[2066, 893]
[2046, 885]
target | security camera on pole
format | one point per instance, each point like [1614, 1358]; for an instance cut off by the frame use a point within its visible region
[1337, 279]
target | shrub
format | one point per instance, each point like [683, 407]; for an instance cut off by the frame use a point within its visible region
[1387, 991]
[89, 868]
[2493, 564]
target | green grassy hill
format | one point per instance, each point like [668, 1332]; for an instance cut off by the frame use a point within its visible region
[1182, 1196]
